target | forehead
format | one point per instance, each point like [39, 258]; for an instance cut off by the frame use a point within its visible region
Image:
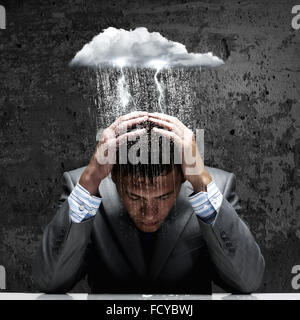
[163, 182]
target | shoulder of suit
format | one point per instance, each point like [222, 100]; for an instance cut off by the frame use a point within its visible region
[218, 172]
[76, 174]
[219, 176]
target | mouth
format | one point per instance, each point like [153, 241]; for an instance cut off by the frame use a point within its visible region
[149, 224]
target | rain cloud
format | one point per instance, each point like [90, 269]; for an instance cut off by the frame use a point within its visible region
[139, 48]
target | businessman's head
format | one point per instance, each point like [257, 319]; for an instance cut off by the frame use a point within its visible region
[149, 190]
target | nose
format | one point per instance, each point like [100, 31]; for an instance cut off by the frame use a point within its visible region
[148, 211]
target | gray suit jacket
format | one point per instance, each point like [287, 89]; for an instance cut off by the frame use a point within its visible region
[189, 253]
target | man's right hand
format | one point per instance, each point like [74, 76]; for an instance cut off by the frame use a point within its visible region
[102, 161]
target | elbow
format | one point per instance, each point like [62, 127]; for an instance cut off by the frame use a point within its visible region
[254, 280]
[47, 286]
[43, 283]
[44, 279]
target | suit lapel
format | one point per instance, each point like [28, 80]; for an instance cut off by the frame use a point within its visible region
[122, 225]
[170, 231]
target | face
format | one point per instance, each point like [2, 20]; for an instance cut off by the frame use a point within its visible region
[148, 204]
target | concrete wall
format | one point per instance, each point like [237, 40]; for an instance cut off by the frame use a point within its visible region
[249, 109]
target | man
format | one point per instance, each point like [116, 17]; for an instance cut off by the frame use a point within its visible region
[148, 227]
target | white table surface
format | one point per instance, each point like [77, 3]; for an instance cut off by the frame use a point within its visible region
[85, 296]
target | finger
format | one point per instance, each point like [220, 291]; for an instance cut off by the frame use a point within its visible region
[168, 118]
[123, 126]
[162, 116]
[106, 153]
[169, 134]
[135, 114]
[130, 135]
[107, 134]
[167, 125]
[126, 117]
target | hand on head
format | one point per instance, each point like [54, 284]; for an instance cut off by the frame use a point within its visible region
[167, 126]
[192, 164]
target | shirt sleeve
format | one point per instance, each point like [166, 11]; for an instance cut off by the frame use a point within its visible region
[206, 205]
[83, 205]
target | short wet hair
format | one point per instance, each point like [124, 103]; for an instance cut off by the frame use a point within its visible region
[147, 170]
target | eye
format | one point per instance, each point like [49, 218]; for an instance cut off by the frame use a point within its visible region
[133, 197]
[164, 197]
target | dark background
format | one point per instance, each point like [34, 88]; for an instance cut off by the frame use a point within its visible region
[249, 109]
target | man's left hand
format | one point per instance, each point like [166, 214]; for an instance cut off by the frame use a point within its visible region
[192, 164]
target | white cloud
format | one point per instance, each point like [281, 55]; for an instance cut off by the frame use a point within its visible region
[139, 48]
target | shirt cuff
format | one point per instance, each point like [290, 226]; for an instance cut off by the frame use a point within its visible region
[206, 205]
[82, 204]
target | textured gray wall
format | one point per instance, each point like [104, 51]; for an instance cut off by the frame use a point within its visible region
[249, 109]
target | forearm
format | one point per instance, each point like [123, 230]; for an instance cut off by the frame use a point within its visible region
[92, 177]
[200, 181]
[59, 261]
[233, 250]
